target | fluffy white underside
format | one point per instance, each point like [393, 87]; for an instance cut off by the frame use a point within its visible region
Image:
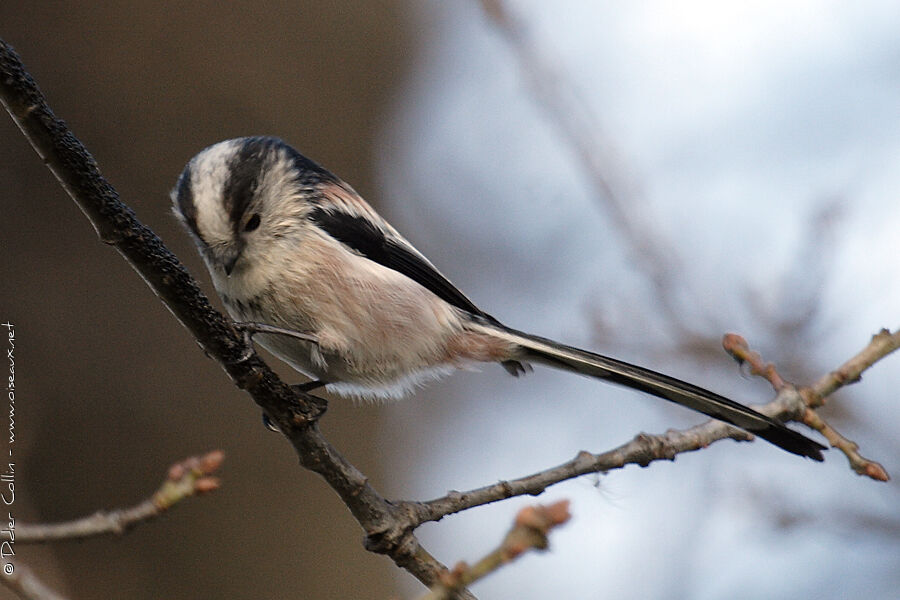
[395, 390]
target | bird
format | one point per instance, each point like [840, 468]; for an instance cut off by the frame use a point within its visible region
[290, 245]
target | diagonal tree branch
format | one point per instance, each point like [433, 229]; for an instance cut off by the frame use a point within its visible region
[295, 413]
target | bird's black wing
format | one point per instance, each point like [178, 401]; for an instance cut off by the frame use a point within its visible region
[367, 239]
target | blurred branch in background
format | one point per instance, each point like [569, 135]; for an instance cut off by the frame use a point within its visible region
[579, 128]
[793, 318]
[790, 322]
[27, 586]
[790, 319]
[185, 479]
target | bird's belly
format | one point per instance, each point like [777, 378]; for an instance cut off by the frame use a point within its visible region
[374, 352]
[389, 372]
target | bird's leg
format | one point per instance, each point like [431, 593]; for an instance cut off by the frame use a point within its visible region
[250, 329]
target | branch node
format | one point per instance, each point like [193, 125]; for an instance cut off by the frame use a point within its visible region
[652, 448]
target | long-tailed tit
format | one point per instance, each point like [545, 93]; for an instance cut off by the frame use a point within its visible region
[289, 244]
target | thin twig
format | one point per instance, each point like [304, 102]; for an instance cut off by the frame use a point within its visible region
[882, 344]
[859, 463]
[26, 585]
[187, 478]
[642, 450]
[740, 351]
[529, 532]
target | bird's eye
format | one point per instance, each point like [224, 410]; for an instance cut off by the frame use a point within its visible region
[253, 223]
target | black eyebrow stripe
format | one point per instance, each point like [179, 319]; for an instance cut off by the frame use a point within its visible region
[244, 170]
[367, 239]
[249, 162]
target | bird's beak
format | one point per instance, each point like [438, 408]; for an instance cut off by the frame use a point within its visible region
[229, 263]
[230, 257]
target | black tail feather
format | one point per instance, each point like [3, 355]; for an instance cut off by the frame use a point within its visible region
[557, 355]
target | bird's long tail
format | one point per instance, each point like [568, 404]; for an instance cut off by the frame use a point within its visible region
[548, 352]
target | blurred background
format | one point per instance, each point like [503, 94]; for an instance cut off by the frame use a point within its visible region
[637, 179]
